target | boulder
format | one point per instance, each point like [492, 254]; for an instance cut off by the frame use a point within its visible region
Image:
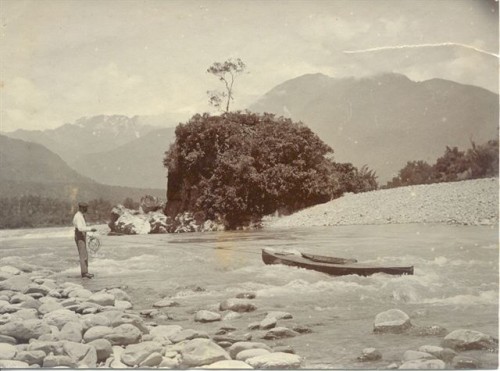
[80, 293]
[92, 320]
[150, 203]
[124, 221]
[153, 360]
[9, 269]
[130, 319]
[72, 331]
[96, 332]
[370, 355]
[8, 339]
[102, 298]
[238, 305]
[462, 339]
[60, 317]
[200, 352]
[229, 364]
[23, 331]
[124, 335]
[411, 355]
[170, 363]
[188, 334]
[444, 354]
[13, 364]
[81, 354]
[284, 349]
[33, 357]
[279, 333]
[392, 321]
[54, 347]
[103, 349]
[165, 303]
[279, 315]
[231, 316]
[158, 221]
[53, 361]
[281, 361]
[165, 331]
[49, 306]
[24, 314]
[135, 354]
[123, 304]
[268, 323]
[7, 351]
[207, 316]
[38, 289]
[245, 345]
[15, 283]
[249, 353]
[423, 364]
[231, 339]
[119, 294]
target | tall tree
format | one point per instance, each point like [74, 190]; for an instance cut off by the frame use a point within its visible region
[227, 73]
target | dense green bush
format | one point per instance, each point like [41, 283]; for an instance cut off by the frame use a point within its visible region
[479, 161]
[241, 166]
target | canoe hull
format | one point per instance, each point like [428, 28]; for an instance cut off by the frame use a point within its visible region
[333, 269]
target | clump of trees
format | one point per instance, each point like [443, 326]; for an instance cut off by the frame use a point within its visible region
[239, 167]
[35, 211]
[479, 161]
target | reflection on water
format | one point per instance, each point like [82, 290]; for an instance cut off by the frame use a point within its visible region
[455, 283]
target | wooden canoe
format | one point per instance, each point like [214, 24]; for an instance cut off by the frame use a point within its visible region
[294, 260]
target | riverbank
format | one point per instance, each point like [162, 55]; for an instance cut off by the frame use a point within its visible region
[471, 202]
[48, 323]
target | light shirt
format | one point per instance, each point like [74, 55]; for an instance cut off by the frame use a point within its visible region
[79, 222]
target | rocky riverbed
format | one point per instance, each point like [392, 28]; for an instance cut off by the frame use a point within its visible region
[470, 202]
[46, 323]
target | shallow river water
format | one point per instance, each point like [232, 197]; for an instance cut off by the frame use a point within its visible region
[455, 284]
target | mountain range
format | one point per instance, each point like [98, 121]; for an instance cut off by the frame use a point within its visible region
[386, 120]
[382, 121]
[29, 168]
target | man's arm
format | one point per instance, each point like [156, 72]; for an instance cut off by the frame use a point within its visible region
[81, 226]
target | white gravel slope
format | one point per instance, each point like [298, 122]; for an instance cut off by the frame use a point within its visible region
[470, 202]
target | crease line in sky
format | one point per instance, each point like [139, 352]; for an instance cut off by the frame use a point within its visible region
[415, 46]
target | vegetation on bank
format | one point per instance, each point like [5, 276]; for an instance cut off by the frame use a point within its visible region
[479, 161]
[36, 211]
[238, 167]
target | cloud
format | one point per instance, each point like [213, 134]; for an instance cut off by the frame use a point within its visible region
[24, 105]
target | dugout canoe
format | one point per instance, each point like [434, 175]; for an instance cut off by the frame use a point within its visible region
[301, 261]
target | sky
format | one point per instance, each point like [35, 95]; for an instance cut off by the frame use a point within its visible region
[66, 59]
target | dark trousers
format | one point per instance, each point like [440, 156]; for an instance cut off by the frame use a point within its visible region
[81, 244]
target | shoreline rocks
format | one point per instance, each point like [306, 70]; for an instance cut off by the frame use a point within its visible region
[470, 202]
[70, 326]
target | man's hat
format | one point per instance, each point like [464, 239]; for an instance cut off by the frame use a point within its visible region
[83, 204]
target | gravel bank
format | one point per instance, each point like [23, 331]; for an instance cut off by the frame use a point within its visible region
[471, 202]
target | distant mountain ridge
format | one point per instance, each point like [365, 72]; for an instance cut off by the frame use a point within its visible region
[138, 163]
[28, 168]
[386, 120]
[113, 150]
[87, 135]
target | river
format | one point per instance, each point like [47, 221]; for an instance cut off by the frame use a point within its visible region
[455, 284]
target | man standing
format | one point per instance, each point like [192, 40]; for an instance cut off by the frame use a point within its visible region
[81, 230]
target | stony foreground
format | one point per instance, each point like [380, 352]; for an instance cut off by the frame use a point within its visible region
[471, 202]
[44, 323]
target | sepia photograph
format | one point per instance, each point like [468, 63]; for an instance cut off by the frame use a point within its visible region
[249, 184]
